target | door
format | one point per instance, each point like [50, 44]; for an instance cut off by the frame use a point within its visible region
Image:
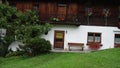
[59, 39]
[61, 12]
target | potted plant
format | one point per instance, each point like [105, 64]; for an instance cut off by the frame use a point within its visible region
[88, 14]
[54, 19]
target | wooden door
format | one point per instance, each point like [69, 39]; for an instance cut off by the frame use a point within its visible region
[62, 12]
[59, 39]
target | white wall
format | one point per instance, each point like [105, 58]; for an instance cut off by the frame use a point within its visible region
[78, 34]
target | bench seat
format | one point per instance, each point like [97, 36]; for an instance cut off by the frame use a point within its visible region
[71, 44]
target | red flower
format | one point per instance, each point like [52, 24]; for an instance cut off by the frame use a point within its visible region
[95, 46]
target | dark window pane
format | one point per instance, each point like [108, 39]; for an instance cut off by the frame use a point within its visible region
[35, 6]
[90, 37]
[117, 38]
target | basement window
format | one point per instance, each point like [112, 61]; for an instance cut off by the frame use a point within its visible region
[94, 38]
[117, 38]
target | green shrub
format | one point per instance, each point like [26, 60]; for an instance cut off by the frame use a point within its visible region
[36, 46]
[3, 47]
[18, 52]
[3, 50]
[14, 53]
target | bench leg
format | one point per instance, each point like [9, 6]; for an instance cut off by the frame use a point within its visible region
[82, 48]
[69, 48]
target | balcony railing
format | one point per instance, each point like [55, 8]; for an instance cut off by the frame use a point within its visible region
[77, 19]
[69, 19]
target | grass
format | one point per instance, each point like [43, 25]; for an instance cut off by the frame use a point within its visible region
[100, 59]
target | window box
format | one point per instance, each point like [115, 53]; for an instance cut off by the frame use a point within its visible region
[117, 45]
[95, 46]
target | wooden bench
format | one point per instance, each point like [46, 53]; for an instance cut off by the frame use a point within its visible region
[76, 45]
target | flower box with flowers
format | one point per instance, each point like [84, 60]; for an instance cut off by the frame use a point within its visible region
[95, 46]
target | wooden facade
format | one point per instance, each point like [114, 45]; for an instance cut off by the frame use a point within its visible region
[72, 11]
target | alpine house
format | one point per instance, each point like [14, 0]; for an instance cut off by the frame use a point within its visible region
[90, 24]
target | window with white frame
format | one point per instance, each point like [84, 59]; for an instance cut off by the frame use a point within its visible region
[94, 37]
[117, 38]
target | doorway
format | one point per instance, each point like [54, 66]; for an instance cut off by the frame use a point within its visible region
[59, 39]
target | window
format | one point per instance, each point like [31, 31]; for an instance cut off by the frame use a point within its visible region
[59, 36]
[117, 38]
[35, 7]
[62, 3]
[13, 4]
[94, 38]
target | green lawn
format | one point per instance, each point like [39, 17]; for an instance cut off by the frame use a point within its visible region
[100, 59]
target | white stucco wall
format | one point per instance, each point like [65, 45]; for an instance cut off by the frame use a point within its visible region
[79, 34]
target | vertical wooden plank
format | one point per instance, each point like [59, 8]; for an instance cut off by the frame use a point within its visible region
[51, 9]
[27, 6]
[62, 12]
[72, 8]
[97, 18]
[113, 16]
[19, 6]
[23, 6]
[72, 11]
[43, 10]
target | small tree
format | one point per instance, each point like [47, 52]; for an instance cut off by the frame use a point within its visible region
[30, 32]
[20, 26]
[8, 22]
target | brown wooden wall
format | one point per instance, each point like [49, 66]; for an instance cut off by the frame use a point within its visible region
[22, 6]
[51, 8]
[73, 11]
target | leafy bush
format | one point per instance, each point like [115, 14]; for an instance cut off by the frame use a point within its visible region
[36, 46]
[18, 52]
[24, 27]
[14, 53]
[3, 50]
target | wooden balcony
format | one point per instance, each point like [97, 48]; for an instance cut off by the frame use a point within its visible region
[60, 19]
[77, 20]
[70, 12]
